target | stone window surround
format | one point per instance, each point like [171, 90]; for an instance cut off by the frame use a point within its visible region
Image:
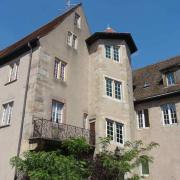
[114, 120]
[122, 100]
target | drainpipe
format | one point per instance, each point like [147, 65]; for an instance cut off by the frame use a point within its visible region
[24, 104]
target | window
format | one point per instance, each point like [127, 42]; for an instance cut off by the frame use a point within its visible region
[59, 69]
[108, 51]
[115, 131]
[69, 39]
[170, 78]
[7, 112]
[13, 72]
[77, 20]
[72, 40]
[112, 52]
[116, 53]
[57, 112]
[145, 168]
[108, 87]
[117, 86]
[169, 114]
[113, 88]
[143, 118]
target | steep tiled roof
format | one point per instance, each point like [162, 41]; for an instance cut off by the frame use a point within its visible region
[152, 77]
[38, 33]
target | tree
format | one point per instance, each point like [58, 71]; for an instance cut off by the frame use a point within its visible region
[70, 162]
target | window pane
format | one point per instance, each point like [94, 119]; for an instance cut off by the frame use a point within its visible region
[140, 118]
[77, 20]
[56, 69]
[119, 133]
[74, 42]
[145, 167]
[108, 51]
[110, 129]
[7, 112]
[116, 53]
[57, 111]
[170, 78]
[13, 72]
[62, 75]
[117, 89]
[173, 113]
[165, 114]
[108, 87]
[69, 39]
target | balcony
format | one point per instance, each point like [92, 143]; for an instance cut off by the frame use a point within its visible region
[47, 131]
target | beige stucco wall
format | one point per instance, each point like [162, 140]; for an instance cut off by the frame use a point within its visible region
[166, 164]
[9, 136]
[100, 105]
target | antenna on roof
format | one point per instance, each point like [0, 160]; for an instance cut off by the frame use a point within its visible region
[68, 4]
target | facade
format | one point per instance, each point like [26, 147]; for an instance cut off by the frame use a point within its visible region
[61, 81]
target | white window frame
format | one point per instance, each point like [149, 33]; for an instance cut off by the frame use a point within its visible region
[113, 88]
[143, 123]
[112, 54]
[114, 130]
[171, 80]
[13, 71]
[56, 118]
[169, 114]
[77, 20]
[72, 40]
[60, 69]
[7, 113]
[141, 171]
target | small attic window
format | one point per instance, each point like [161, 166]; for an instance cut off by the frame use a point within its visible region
[146, 85]
[77, 20]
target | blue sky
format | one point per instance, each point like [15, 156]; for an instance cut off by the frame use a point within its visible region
[154, 24]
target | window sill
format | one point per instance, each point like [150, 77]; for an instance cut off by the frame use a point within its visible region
[171, 125]
[114, 99]
[10, 82]
[60, 81]
[4, 126]
[146, 128]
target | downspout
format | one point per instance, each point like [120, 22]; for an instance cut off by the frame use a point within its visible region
[24, 104]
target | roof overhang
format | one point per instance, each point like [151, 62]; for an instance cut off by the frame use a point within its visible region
[114, 35]
[19, 50]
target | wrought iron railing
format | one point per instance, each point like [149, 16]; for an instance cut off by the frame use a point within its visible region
[46, 129]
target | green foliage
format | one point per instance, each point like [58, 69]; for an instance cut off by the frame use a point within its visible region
[57, 165]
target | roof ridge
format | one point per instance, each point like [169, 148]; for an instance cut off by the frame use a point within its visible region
[39, 32]
[161, 61]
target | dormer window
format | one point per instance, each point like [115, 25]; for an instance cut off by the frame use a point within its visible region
[77, 20]
[146, 85]
[170, 78]
[112, 52]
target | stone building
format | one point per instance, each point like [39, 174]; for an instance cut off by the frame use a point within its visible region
[62, 81]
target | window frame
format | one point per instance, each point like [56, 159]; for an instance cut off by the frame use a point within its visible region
[6, 119]
[172, 79]
[59, 73]
[141, 169]
[111, 53]
[114, 135]
[13, 73]
[77, 20]
[113, 94]
[169, 114]
[72, 40]
[57, 120]
[143, 119]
